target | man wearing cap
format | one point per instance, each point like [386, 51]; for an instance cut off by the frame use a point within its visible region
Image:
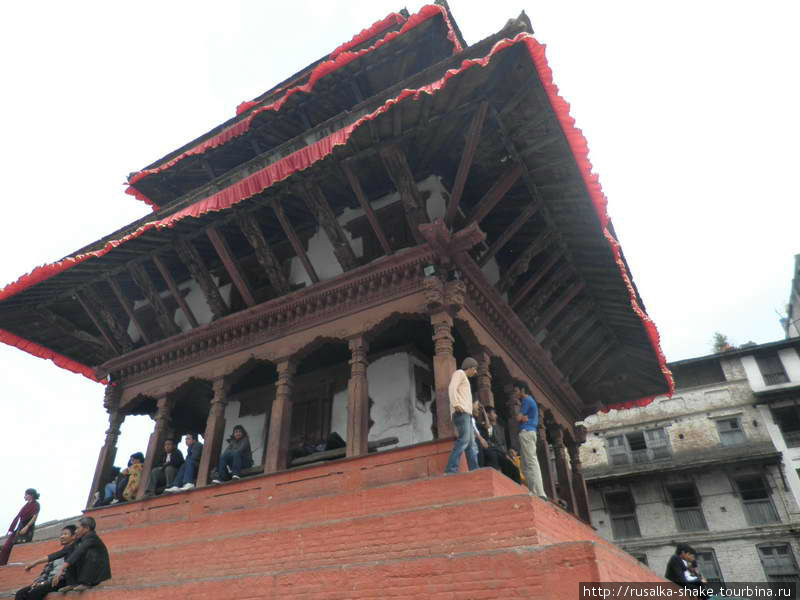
[461, 412]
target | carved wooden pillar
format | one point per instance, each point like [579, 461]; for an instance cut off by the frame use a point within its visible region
[280, 424]
[543, 454]
[578, 484]
[512, 409]
[156, 444]
[215, 430]
[444, 365]
[484, 377]
[105, 461]
[358, 399]
[556, 434]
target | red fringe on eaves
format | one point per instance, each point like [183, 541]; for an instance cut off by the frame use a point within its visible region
[41, 352]
[305, 157]
[338, 61]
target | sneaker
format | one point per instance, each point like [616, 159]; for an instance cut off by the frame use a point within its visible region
[187, 486]
[174, 488]
[235, 477]
[115, 501]
[80, 587]
[217, 481]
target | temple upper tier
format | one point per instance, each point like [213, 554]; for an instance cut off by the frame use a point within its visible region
[405, 173]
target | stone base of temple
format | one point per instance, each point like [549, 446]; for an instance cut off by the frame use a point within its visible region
[387, 525]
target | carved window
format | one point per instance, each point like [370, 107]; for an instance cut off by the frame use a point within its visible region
[730, 432]
[788, 419]
[622, 511]
[755, 495]
[686, 507]
[638, 447]
[708, 565]
[771, 369]
[779, 563]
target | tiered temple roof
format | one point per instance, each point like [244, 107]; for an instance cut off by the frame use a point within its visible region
[404, 100]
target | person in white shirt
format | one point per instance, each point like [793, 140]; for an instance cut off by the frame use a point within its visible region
[460, 395]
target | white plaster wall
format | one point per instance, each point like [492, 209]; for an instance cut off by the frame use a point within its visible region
[791, 362]
[491, 271]
[437, 201]
[395, 410]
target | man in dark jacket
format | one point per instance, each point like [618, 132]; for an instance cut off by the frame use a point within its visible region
[187, 474]
[88, 563]
[164, 471]
[43, 584]
[678, 568]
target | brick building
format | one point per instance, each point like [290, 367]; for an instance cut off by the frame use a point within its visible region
[714, 465]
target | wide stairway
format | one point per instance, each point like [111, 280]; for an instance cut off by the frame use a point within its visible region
[388, 525]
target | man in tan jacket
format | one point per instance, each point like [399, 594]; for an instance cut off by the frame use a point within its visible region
[461, 412]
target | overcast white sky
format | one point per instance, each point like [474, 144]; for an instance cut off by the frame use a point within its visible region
[690, 109]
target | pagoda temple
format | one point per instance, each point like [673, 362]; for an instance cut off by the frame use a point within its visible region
[321, 263]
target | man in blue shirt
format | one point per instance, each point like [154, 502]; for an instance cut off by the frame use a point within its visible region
[528, 418]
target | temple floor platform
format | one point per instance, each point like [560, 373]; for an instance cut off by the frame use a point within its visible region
[386, 525]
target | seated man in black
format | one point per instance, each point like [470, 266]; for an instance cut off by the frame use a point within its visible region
[166, 468]
[43, 584]
[88, 563]
[679, 569]
[496, 454]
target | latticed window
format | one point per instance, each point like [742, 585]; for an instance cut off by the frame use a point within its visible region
[686, 506]
[707, 563]
[638, 447]
[772, 369]
[730, 432]
[788, 419]
[778, 562]
[622, 510]
[755, 495]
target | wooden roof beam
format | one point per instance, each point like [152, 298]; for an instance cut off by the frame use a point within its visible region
[68, 328]
[142, 279]
[118, 330]
[173, 289]
[416, 212]
[506, 236]
[579, 310]
[496, 193]
[230, 263]
[530, 312]
[127, 307]
[355, 185]
[547, 316]
[95, 318]
[294, 240]
[194, 262]
[318, 204]
[536, 278]
[578, 335]
[581, 370]
[264, 254]
[467, 157]
[523, 261]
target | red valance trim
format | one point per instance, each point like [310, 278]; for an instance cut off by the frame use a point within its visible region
[305, 157]
[320, 71]
[40, 351]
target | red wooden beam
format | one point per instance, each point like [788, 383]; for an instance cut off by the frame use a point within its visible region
[467, 156]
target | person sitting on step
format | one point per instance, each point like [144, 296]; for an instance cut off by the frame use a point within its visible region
[43, 584]
[187, 474]
[134, 473]
[165, 470]
[87, 564]
[237, 456]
